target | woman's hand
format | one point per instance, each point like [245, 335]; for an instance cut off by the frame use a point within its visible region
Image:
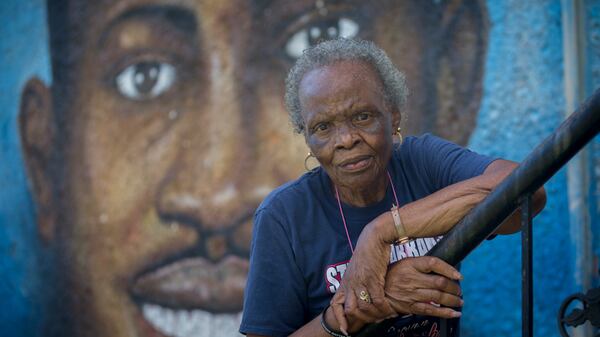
[337, 308]
[412, 288]
[366, 273]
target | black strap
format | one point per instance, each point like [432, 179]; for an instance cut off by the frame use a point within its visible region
[327, 328]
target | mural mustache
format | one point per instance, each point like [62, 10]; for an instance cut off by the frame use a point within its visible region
[164, 128]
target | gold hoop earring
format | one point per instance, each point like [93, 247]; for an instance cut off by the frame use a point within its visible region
[399, 134]
[308, 156]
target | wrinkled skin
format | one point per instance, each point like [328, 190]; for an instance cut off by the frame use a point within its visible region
[349, 127]
[409, 288]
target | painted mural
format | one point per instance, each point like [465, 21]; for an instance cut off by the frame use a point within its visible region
[163, 127]
[138, 136]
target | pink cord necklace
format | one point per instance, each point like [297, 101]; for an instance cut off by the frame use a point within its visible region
[337, 196]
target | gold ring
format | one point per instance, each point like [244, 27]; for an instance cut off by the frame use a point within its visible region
[363, 295]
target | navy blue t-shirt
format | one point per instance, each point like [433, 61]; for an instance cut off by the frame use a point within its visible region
[300, 251]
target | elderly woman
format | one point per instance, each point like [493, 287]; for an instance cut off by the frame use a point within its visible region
[342, 246]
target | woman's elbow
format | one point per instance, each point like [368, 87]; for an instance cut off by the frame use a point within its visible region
[539, 200]
[513, 223]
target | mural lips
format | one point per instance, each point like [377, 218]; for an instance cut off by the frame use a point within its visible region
[198, 290]
[195, 283]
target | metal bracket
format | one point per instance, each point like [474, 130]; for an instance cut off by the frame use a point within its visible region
[577, 316]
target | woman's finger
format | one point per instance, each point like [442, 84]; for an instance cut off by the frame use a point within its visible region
[382, 306]
[357, 310]
[428, 309]
[405, 279]
[375, 309]
[430, 264]
[418, 278]
[439, 297]
[444, 284]
[338, 312]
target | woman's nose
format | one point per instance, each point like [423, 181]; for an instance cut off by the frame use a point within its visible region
[346, 136]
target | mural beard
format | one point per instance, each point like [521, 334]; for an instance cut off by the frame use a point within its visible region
[165, 128]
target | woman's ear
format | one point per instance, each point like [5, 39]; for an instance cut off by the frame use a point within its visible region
[38, 140]
[396, 120]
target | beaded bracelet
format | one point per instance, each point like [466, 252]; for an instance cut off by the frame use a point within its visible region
[327, 328]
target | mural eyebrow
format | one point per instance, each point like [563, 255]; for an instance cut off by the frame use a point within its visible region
[258, 6]
[179, 17]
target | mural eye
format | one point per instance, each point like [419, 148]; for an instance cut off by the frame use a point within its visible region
[316, 32]
[145, 80]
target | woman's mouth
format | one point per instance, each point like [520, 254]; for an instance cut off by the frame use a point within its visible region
[193, 297]
[356, 164]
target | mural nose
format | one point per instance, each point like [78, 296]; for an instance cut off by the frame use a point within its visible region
[219, 209]
[211, 186]
[206, 186]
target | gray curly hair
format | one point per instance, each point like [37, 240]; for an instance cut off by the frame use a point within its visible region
[331, 51]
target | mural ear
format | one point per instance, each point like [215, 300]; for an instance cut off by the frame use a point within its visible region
[464, 35]
[37, 130]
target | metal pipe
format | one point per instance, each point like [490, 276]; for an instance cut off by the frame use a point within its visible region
[526, 266]
[541, 164]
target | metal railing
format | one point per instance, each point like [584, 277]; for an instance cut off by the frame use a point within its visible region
[515, 192]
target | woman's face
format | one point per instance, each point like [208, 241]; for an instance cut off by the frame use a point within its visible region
[348, 123]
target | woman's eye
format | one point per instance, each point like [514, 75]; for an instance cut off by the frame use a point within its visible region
[321, 127]
[361, 117]
[324, 30]
[145, 80]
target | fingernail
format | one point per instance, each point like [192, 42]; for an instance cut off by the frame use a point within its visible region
[344, 331]
[462, 302]
[456, 314]
[458, 276]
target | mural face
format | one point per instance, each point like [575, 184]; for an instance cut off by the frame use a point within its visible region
[164, 128]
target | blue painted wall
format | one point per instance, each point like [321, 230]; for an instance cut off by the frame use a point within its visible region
[20, 312]
[592, 40]
[523, 102]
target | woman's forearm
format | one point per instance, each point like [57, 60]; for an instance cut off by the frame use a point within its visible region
[437, 213]
[314, 328]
